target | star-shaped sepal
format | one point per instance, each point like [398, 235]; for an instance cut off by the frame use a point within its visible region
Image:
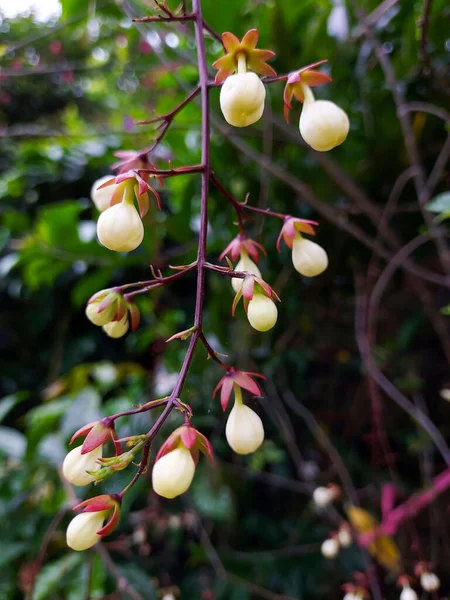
[190, 437]
[307, 75]
[255, 57]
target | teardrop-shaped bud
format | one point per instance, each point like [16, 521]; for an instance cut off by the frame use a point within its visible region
[244, 430]
[262, 313]
[242, 99]
[76, 465]
[120, 228]
[308, 258]
[173, 473]
[323, 124]
[82, 530]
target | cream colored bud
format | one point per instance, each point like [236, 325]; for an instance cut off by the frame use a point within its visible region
[350, 596]
[76, 465]
[242, 99]
[308, 258]
[323, 496]
[262, 313]
[344, 537]
[408, 593]
[244, 430]
[120, 228]
[117, 329]
[173, 473]
[82, 530]
[103, 317]
[323, 124]
[245, 264]
[102, 198]
[429, 582]
[330, 548]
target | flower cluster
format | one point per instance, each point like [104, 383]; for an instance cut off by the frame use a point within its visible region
[111, 311]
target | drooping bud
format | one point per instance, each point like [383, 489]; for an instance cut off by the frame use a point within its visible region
[175, 462]
[262, 312]
[105, 306]
[242, 99]
[430, 582]
[408, 593]
[244, 430]
[330, 548]
[82, 530]
[102, 196]
[323, 496]
[117, 329]
[76, 466]
[87, 528]
[323, 125]
[120, 228]
[245, 264]
[308, 258]
[344, 535]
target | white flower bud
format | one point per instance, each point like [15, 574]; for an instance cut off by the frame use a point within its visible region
[82, 530]
[242, 99]
[323, 124]
[408, 593]
[429, 582]
[102, 198]
[244, 430]
[173, 473]
[262, 313]
[117, 329]
[76, 465]
[245, 264]
[308, 258]
[120, 228]
[350, 596]
[330, 548]
[344, 537]
[337, 23]
[323, 496]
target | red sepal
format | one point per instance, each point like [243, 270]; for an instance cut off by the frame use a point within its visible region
[101, 503]
[235, 377]
[293, 86]
[242, 242]
[291, 226]
[191, 438]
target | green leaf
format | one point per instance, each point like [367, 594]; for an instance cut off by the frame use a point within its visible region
[8, 402]
[12, 442]
[52, 575]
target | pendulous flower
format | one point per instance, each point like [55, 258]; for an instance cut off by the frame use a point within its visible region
[102, 196]
[117, 329]
[119, 227]
[76, 465]
[309, 259]
[262, 312]
[244, 430]
[87, 528]
[330, 548]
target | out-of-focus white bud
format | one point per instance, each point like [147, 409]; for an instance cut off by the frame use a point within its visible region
[245, 264]
[337, 24]
[262, 313]
[323, 496]
[102, 198]
[344, 536]
[330, 548]
[408, 593]
[76, 465]
[242, 99]
[323, 124]
[244, 430]
[117, 329]
[429, 581]
[120, 228]
[82, 530]
[350, 596]
[308, 258]
[173, 473]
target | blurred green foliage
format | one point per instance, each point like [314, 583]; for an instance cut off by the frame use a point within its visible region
[70, 93]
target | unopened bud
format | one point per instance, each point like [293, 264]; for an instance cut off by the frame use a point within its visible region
[308, 258]
[245, 264]
[244, 430]
[429, 581]
[117, 329]
[76, 466]
[120, 228]
[323, 124]
[242, 99]
[82, 530]
[344, 536]
[262, 313]
[102, 197]
[408, 593]
[173, 473]
[330, 548]
[323, 496]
